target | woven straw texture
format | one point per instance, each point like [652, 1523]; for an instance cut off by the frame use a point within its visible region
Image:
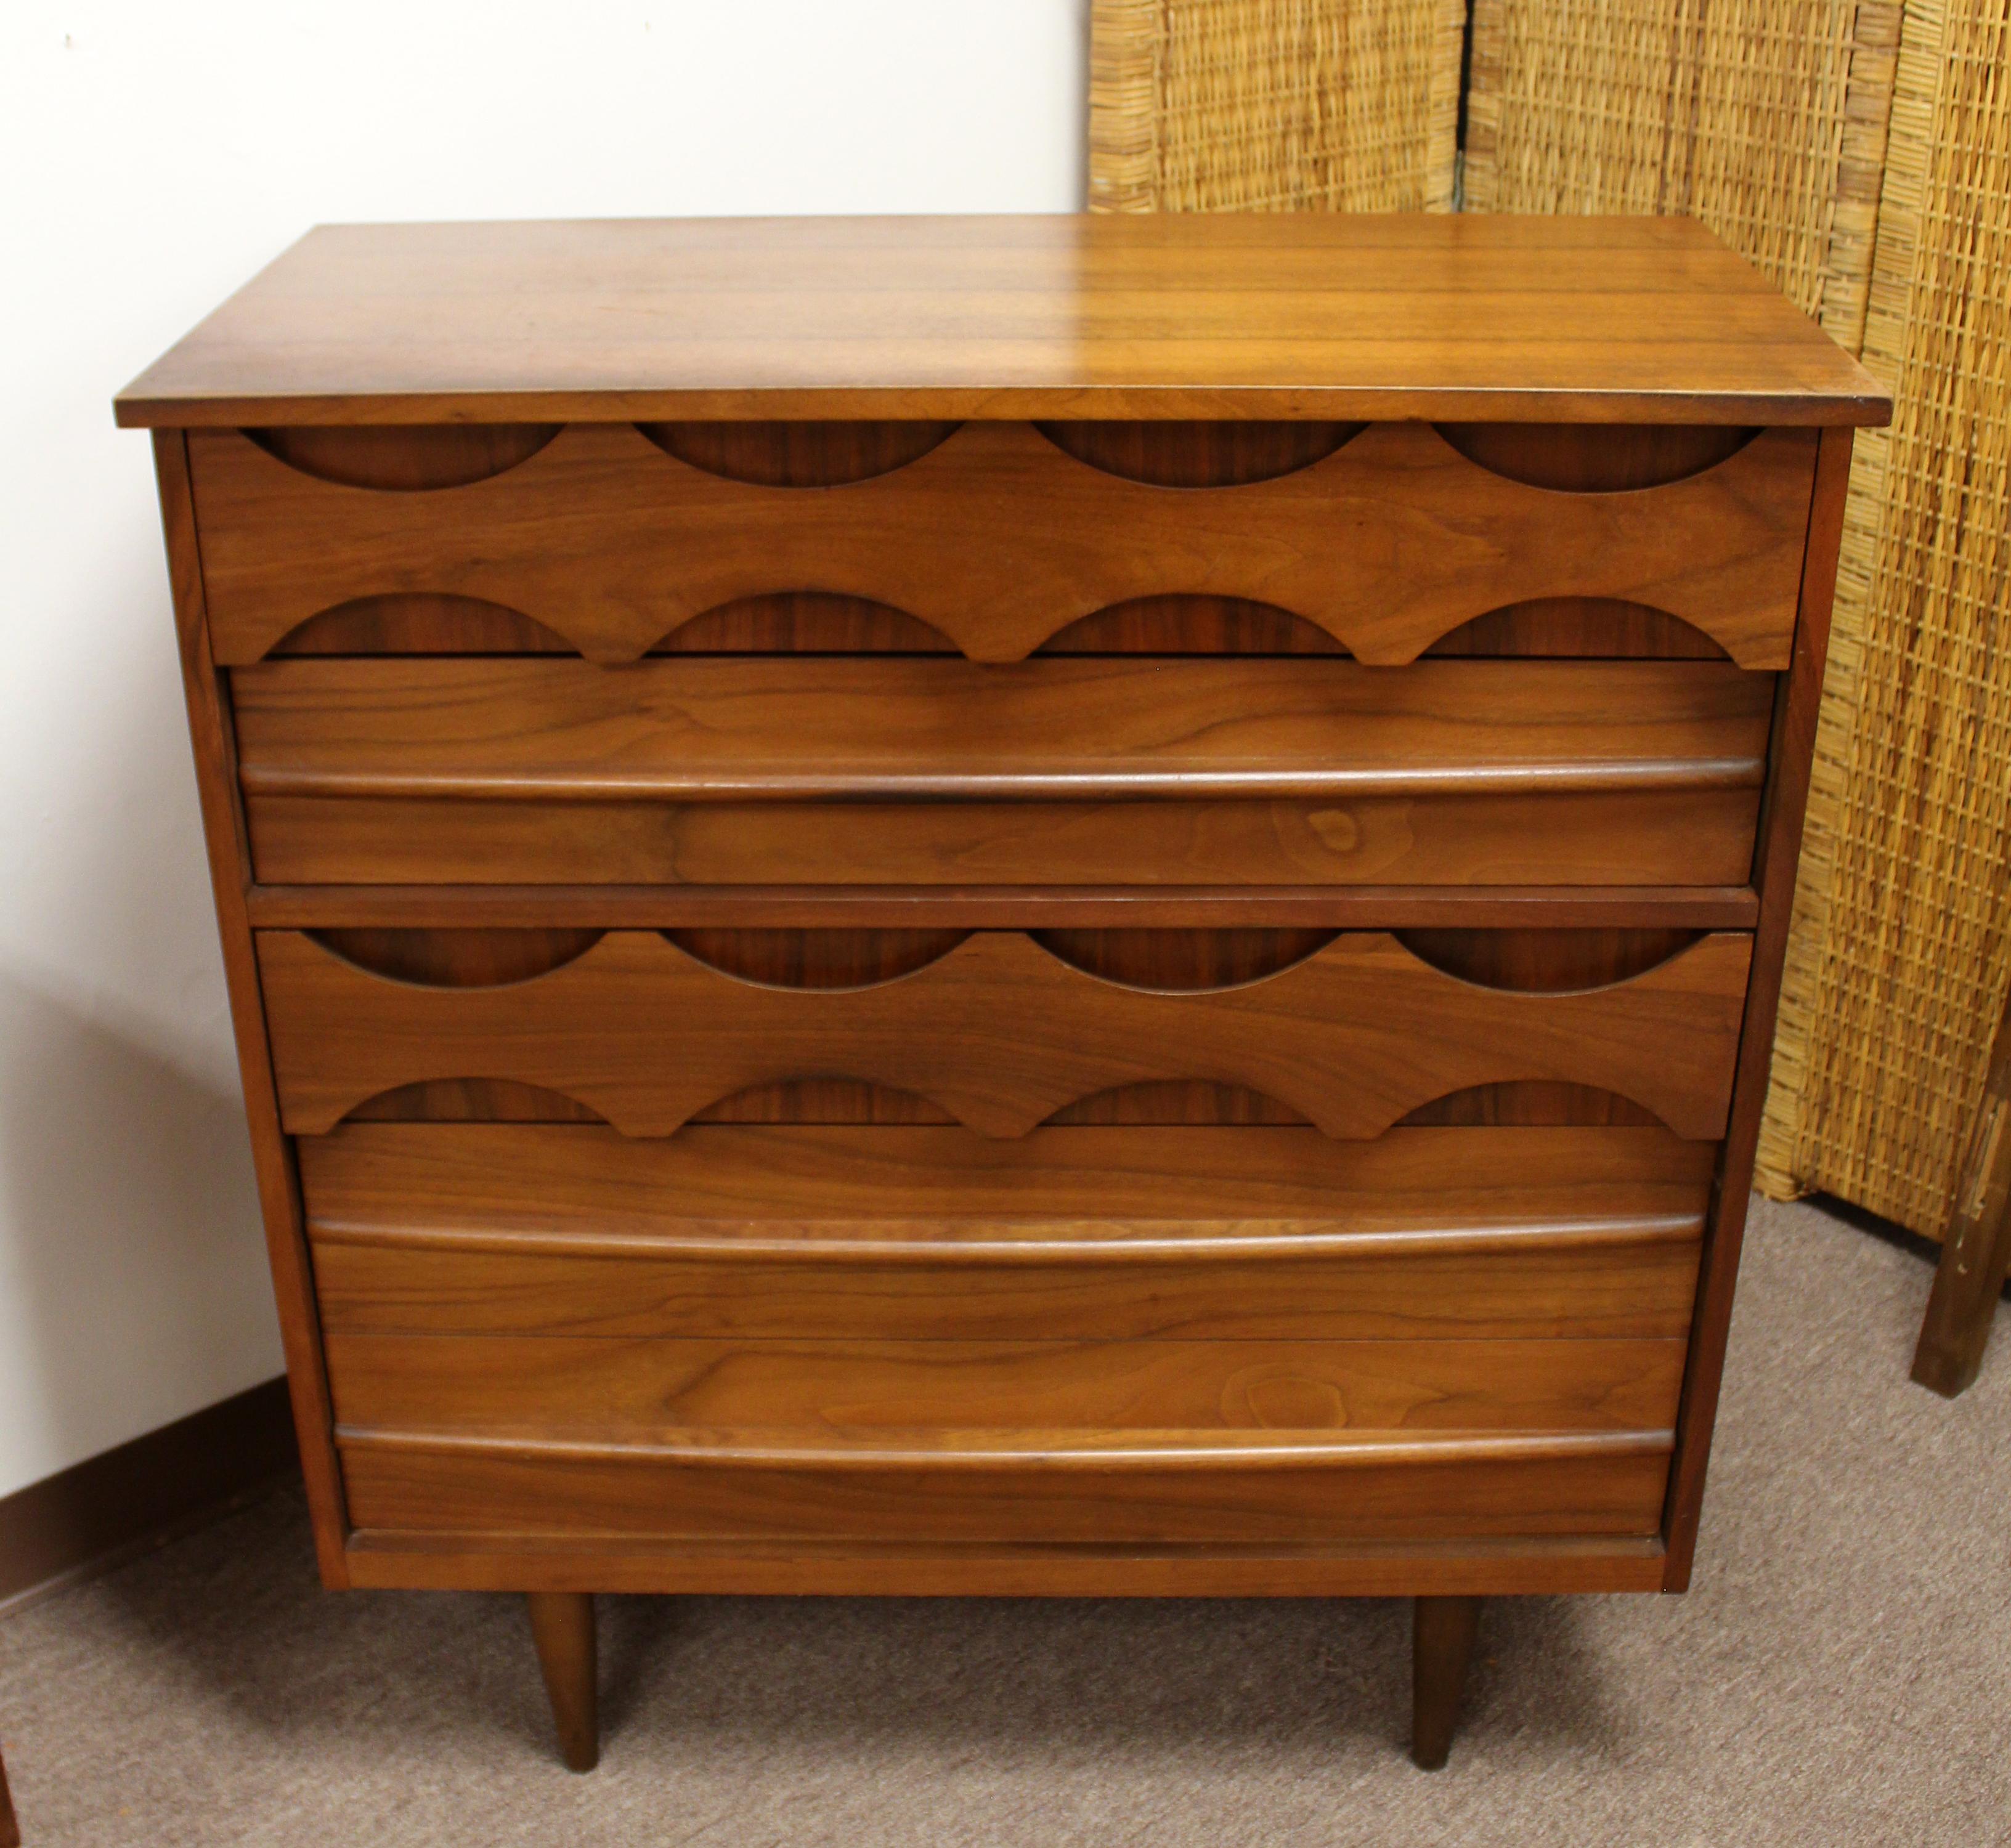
[1901, 958]
[1765, 119]
[1264, 106]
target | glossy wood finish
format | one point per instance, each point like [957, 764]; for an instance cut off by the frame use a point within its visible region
[1154, 771]
[1976, 1254]
[569, 1657]
[1388, 544]
[820, 622]
[639, 1387]
[210, 734]
[979, 907]
[1027, 1486]
[1167, 863]
[850, 1233]
[1532, 1563]
[1473, 841]
[1269, 315]
[1442, 1633]
[1798, 700]
[1001, 1033]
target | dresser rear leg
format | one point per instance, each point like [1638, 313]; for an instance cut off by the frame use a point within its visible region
[1441, 1645]
[562, 1627]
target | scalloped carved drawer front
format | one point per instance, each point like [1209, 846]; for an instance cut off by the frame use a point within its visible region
[890, 770]
[1352, 1031]
[1087, 1333]
[993, 539]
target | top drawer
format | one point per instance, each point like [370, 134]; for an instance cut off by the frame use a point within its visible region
[999, 539]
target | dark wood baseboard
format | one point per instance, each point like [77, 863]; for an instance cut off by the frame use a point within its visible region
[119, 1501]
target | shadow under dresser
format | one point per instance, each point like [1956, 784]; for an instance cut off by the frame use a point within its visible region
[1007, 906]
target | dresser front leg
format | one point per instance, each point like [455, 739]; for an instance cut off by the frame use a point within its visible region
[1441, 1645]
[562, 1627]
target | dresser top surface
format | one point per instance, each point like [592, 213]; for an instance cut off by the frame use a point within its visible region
[1303, 316]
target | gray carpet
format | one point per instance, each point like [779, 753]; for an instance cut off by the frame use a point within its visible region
[1840, 1674]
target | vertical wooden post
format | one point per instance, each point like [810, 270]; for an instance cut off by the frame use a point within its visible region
[562, 1627]
[1442, 1630]
[1976, 1256]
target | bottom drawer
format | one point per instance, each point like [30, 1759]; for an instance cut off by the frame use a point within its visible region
[792, 1331]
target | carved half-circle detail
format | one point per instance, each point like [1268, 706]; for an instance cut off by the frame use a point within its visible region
[472, 1100]
[1192, 624]
[1182, 961]
[1596, 458]
[816, 958]
[1532, 1104]
[1192, 1103]
[1591, 628]
[797, 455]
[404, 458]
[835, 1099]
[1547, 961]
[421, 622]
[804, 622]
[1199, 455]
[458, 958]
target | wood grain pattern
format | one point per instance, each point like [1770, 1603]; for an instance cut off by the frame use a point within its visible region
[562, 1630]
[629, 1391]
[211, 735]
[1092, 906]
[1019, 1485]
[816, 622]
[1162, 315]
[1387, 544]
[1003, 1034]
[1799, 698]
[1442, 1632]
[1529, 1564]
[804, 1232]
[1238, 771]
[791, 730]
[1453, 841]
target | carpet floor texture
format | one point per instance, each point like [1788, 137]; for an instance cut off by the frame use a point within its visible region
[1840, 1675]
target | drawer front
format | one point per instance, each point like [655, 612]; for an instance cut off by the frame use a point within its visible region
[801, 1232]
[900, 770]
[1256, 1334]
[633, 1389]
[998, 1030]
[1030, 1487]
[611, 538]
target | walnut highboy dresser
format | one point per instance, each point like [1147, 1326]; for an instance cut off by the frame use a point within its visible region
[1016, 905]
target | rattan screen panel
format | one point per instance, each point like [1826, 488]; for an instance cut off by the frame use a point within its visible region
[1901, 957]
[1251, 106]
[1764, 118]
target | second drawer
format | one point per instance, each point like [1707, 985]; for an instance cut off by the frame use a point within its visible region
[897, 770]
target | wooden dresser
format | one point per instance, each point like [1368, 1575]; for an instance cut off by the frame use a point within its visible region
[1004, 905]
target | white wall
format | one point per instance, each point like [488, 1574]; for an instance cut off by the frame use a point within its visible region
[151, 157]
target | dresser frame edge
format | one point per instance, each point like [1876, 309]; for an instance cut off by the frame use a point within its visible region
[1784, 808]
[280, 1205]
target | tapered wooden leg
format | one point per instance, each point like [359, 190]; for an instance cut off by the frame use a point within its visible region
[1441, 1645]
[1978, 1253]
[10, 1830]
[562, 1627]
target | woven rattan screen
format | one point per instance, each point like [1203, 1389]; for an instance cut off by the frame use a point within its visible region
[1766, 119]
[1901, 954]
[1249, 105]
